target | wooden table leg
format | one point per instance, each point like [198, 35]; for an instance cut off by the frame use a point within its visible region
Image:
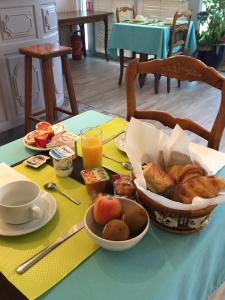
[49, 90]
[28, 92]
[143, 57]
[82, 33]
[106, 37]
[69, 84]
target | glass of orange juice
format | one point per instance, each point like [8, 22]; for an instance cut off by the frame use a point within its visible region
[91, 144]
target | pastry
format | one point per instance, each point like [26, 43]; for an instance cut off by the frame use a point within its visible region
[182, 173]
[156, 179]
[202, 186]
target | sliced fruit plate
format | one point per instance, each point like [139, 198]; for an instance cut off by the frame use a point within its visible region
[44, 137]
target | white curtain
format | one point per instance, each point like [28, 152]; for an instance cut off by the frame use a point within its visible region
[66, 5]
[163, 8]
[107, 5]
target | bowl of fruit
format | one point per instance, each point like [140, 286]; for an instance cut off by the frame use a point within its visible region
[116, 223]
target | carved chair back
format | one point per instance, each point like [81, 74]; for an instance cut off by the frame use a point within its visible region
[178, 33]
[124, 9]
[182, 68]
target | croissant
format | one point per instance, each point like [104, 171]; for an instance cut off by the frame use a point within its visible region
[156, 179]
[182, 173]
[202, 186]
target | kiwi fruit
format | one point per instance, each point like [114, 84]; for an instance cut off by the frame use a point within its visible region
[116, 230]
[136, 219]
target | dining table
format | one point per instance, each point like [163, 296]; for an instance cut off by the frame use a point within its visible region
[162, 266]
[81, 17]
[146, 38]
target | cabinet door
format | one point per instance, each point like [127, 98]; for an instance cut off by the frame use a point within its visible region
[16, 75]
[4, 117]
[49, 18]
[17, 23]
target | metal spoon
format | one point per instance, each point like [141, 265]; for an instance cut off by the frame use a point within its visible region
[127, 165]
[52, 186]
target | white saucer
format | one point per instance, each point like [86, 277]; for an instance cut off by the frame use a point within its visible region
[49, 206]
[120, 142]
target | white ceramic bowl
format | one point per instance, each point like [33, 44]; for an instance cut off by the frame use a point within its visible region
[94, 230]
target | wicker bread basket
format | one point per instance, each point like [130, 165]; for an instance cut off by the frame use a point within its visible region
[175, 220]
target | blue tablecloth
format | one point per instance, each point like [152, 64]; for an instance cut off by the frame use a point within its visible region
[149, 39]
[16, 151]
[162, 266]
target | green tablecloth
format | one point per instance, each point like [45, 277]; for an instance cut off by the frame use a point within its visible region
[149, 39]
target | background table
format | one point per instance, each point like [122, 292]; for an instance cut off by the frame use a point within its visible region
[146, 39]
[162, 266]
[82, 17]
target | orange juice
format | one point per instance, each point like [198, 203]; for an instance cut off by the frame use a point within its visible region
[92, 152]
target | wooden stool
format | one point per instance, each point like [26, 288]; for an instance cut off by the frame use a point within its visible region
[45, 52]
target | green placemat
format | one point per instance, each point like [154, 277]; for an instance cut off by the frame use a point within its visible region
[57, 264]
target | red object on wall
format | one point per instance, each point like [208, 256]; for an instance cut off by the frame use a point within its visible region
[76, 46]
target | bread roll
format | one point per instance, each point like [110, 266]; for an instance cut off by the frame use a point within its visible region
[202, 186]
[182, 173]
[156, 179]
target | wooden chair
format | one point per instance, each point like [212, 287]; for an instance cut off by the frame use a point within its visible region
[180, 67]
[120, 10]
[45, 53]
[178, 37]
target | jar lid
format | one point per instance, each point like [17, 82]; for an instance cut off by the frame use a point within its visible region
[61, 152]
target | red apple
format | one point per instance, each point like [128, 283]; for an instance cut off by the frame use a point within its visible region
[106, 208]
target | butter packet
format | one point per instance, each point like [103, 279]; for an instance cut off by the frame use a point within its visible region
[36, 161]
[63, 139]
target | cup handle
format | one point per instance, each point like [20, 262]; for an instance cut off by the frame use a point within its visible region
[36, 212]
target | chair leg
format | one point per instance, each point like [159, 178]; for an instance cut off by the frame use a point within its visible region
[133, 55]
[168, 84]
[82, 33]
[143, 57]
[156, 83]
[28, 93]
[69, 84]
[49, 90]
[178, 81]
[121, 65]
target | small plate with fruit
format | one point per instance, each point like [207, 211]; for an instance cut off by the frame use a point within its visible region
[39, 138]
[116, 223]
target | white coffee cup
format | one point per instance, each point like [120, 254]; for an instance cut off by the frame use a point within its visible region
[20, 202]
[140, 18]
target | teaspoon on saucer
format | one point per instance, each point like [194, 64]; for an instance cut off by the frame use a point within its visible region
[53, 187]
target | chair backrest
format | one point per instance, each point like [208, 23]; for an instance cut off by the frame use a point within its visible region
[124, 9]
[180, 67]
[178, 32]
